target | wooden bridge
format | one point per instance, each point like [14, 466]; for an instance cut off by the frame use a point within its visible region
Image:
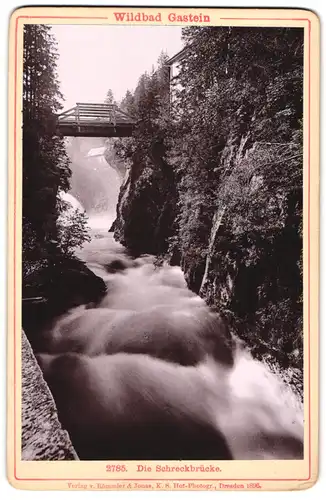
[95, 120]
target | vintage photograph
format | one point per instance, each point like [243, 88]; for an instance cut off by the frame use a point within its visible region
[162, 242]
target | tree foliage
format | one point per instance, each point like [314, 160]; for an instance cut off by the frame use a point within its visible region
[149, 105]
[109, 98]
[238, 152]
[73, 230]
[46, 169]
[45, 163]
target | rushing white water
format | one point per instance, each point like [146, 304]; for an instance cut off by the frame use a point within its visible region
[69, 198]
[149, 310]
[99, 222]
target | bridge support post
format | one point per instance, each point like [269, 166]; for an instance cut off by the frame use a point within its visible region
[77, 116]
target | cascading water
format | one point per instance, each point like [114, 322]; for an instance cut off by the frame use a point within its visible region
[94, 182]
[73, 203]
[151, 372]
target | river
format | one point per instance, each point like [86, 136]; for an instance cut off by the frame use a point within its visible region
[152, 373]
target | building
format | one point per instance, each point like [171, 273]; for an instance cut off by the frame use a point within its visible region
[174, 63]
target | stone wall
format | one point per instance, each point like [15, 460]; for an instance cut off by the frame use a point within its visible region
[42, 435]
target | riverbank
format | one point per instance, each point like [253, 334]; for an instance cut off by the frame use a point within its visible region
[43, 437]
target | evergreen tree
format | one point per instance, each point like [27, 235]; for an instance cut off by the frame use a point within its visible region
[109, 98]
[45, 163]
[46, 169]
[128, 104]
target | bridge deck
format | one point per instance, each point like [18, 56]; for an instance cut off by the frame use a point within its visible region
[95, 120]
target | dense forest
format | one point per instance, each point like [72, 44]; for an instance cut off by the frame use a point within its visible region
[52, 278]
[215, 178]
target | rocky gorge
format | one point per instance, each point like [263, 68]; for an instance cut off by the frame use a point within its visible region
[214, 181]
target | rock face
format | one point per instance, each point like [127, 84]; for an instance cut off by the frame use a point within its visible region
[65, 284]
[42, 435]
[146, 206]
[111, 158]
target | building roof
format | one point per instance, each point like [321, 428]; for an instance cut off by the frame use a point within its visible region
[177, 57]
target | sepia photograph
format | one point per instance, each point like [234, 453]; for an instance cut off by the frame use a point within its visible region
[162, 240]
[161, 270]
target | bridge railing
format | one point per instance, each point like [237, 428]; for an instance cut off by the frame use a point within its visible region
[95, 120]
[84, 113]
